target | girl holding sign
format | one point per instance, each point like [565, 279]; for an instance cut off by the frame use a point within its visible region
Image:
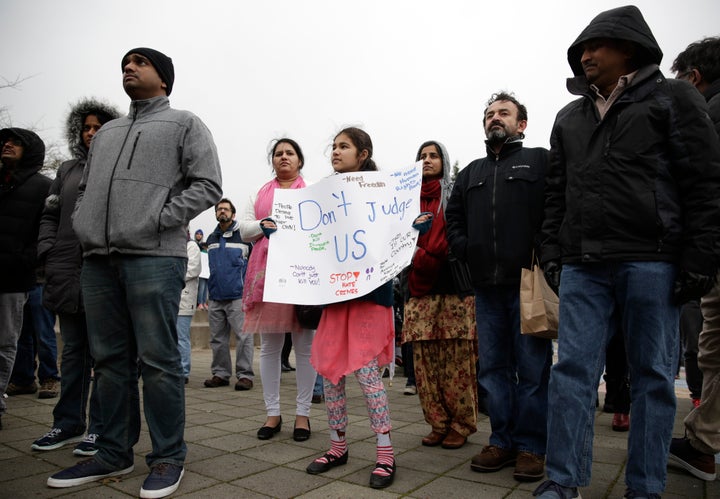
[439, 320]
[356, 336]
[273, 320]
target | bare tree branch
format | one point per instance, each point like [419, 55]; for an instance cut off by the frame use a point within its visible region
[6, 83]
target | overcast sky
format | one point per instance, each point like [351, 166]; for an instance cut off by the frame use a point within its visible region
[405, 71]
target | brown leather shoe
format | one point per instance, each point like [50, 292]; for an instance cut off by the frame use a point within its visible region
[433, 438]
[453, 440]
[243, 384]
[621, 422]
[492, 458]
[529, 467]
[13, 389]
[48, 389]
[215, 382]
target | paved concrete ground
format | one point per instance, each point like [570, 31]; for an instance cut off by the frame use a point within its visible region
[225, 459]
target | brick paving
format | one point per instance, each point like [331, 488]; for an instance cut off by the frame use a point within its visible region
[225, 459]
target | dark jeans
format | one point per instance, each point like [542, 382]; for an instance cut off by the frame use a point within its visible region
[37, 336]
[617, 383]
[132, 304]
[77, 363]
[514, 370]
[408, 363]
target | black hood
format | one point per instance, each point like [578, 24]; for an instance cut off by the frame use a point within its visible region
[622, 23]
[34, 148]
[76, 119]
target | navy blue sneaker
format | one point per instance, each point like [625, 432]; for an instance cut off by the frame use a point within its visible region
[85, 471]
[54, 439]
[163, 480]
[87, 446]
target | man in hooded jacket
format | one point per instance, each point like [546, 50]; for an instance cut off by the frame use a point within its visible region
[632, 220]
[22, 193]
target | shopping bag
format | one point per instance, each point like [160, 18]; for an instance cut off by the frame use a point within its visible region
[539, 305]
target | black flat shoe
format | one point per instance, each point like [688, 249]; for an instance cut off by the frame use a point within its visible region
[316, 467]
[286, 367]
[267, 432]
[301, 434]
[380, 482]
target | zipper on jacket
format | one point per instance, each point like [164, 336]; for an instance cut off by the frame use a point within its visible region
[132, 153]
[112, 175]
[494, 221]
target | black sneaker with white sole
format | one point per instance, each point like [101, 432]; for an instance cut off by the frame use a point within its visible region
[87, 447]
[163, 480]
[55, 438]
[85, 471]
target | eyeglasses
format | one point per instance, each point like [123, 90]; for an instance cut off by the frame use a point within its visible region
[681, 76]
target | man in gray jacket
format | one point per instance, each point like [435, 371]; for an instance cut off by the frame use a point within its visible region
[148, 174]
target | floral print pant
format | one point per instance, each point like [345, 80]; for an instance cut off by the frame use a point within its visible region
[446, 380]
[376, 399]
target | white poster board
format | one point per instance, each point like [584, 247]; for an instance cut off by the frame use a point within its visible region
[342, 237]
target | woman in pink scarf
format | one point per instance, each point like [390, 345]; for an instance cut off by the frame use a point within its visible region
[273, 320]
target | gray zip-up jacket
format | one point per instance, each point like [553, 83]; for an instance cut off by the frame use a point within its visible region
[147, 175]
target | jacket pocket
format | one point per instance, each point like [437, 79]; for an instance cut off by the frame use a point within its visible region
[134, 215]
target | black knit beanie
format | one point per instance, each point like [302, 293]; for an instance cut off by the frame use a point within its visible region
[162, 64]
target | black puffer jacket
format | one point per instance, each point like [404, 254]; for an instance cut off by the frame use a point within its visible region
[58, 245]
[495, 212]
[642, 183]
[22, 194]
[712, 95]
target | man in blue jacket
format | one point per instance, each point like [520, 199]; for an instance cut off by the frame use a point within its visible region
[147, 175]
[632, 218]
[228, 256]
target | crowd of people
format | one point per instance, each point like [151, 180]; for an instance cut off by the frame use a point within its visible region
[622, 212]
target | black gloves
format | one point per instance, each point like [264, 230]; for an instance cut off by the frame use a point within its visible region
[691, 286]
[552, 269]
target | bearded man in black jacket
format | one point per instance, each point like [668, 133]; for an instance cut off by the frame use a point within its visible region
[493, 218]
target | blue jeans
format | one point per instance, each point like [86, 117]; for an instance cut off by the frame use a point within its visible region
[37, 336]
[318, 388]
[202, 296]
[131, 304]
[513, 369]
[77, 363]
[183, 324]
[590, 295]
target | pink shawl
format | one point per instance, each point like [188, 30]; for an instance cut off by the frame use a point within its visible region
[255, 273]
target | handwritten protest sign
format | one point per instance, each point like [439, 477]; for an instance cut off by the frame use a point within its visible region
[342, 237]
